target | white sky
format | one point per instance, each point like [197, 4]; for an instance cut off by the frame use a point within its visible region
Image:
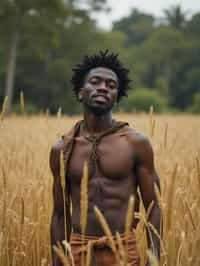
[120, 8]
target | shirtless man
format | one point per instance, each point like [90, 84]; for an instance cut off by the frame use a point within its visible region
[119, 162]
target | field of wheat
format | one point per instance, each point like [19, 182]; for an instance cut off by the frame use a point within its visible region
[26, 186]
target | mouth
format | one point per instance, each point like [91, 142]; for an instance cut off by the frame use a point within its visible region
[101, 98]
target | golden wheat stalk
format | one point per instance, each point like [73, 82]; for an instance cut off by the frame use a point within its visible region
[180, 249]
[84, 199]
[190, 214]
[129, 222]
[21, 223]
[62, 181]
[144, 219]
[4, 105]
[152, 258]
[152, 122]
[198, 170]
[121, 249]
[107, 232]
[129, 215]
[84, 206]
[105, 228]
[1, 243]
[4, 178]
[22, 211]
[89, 253]
[68, 251]
[148, 212]
[62, 169]
[151, 114]
[165, 136]
[153, 229]
[158, 196]
[59, 113]
[22, 102]
[59, 252]
[171, 197]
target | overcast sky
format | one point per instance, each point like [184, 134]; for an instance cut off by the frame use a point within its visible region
[120, 8]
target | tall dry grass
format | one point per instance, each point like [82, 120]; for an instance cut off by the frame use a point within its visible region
[26, 186]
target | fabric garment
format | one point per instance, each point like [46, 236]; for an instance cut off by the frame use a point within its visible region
[102, 254]
[69, 141]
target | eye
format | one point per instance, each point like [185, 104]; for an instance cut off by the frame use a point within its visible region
[94, 81]
[112, 85]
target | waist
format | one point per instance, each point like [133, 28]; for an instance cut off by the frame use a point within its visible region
[99, 242]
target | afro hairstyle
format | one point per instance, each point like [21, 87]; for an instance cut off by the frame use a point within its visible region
[101, 59]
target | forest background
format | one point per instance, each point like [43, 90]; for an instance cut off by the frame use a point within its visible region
[40, 42]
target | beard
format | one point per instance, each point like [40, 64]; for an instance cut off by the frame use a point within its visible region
[98, 109]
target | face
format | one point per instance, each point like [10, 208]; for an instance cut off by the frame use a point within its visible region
[100, 90]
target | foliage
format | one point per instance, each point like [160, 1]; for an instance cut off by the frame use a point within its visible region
[161, 54]
[175, 17]
[195, 107]
[137, 26]
[142, 99]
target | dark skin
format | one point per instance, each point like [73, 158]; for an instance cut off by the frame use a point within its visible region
[126, 163]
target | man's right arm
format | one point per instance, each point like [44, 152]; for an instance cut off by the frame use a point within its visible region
[57, 222]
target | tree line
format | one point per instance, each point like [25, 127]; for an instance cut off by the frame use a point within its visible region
[41, 41]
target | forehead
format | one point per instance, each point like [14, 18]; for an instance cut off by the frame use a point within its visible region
[102, 72]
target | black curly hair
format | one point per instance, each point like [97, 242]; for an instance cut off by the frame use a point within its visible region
[101, 59]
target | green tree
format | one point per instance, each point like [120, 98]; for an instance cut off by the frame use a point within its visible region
[193, 27]
[175, 17]
[36, 27]
[21, 18]
[162, 53]
[195, 106]
[141, 99]
[137, 27]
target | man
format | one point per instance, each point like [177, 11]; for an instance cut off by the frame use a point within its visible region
[120, 161]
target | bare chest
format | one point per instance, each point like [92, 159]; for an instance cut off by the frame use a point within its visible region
[113, 158]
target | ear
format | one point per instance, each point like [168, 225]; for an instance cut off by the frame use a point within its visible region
[80, 95]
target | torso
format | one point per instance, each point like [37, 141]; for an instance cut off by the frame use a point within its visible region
[110, 183]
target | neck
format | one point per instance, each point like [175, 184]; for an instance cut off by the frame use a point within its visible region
[97, 124]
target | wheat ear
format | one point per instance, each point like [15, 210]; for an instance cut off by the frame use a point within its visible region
[59, 113]
[152, 121]
[129, 222]
[59, 252]
[62, 181]
[84, 206]
[84, 199]
[152, 258]
[107, 232]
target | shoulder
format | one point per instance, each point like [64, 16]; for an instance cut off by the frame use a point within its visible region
[57, 147]
[138, 140]
[61, 143]
[54, 158]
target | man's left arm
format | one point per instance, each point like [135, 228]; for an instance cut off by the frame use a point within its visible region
[147, 178]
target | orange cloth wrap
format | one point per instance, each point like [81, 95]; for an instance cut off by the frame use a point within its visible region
[102, 253]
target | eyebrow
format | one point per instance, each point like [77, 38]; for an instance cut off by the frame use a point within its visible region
[110, 79]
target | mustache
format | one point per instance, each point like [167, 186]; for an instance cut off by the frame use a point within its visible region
[101, 95]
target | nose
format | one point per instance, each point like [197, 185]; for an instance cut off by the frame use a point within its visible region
[102, 87]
